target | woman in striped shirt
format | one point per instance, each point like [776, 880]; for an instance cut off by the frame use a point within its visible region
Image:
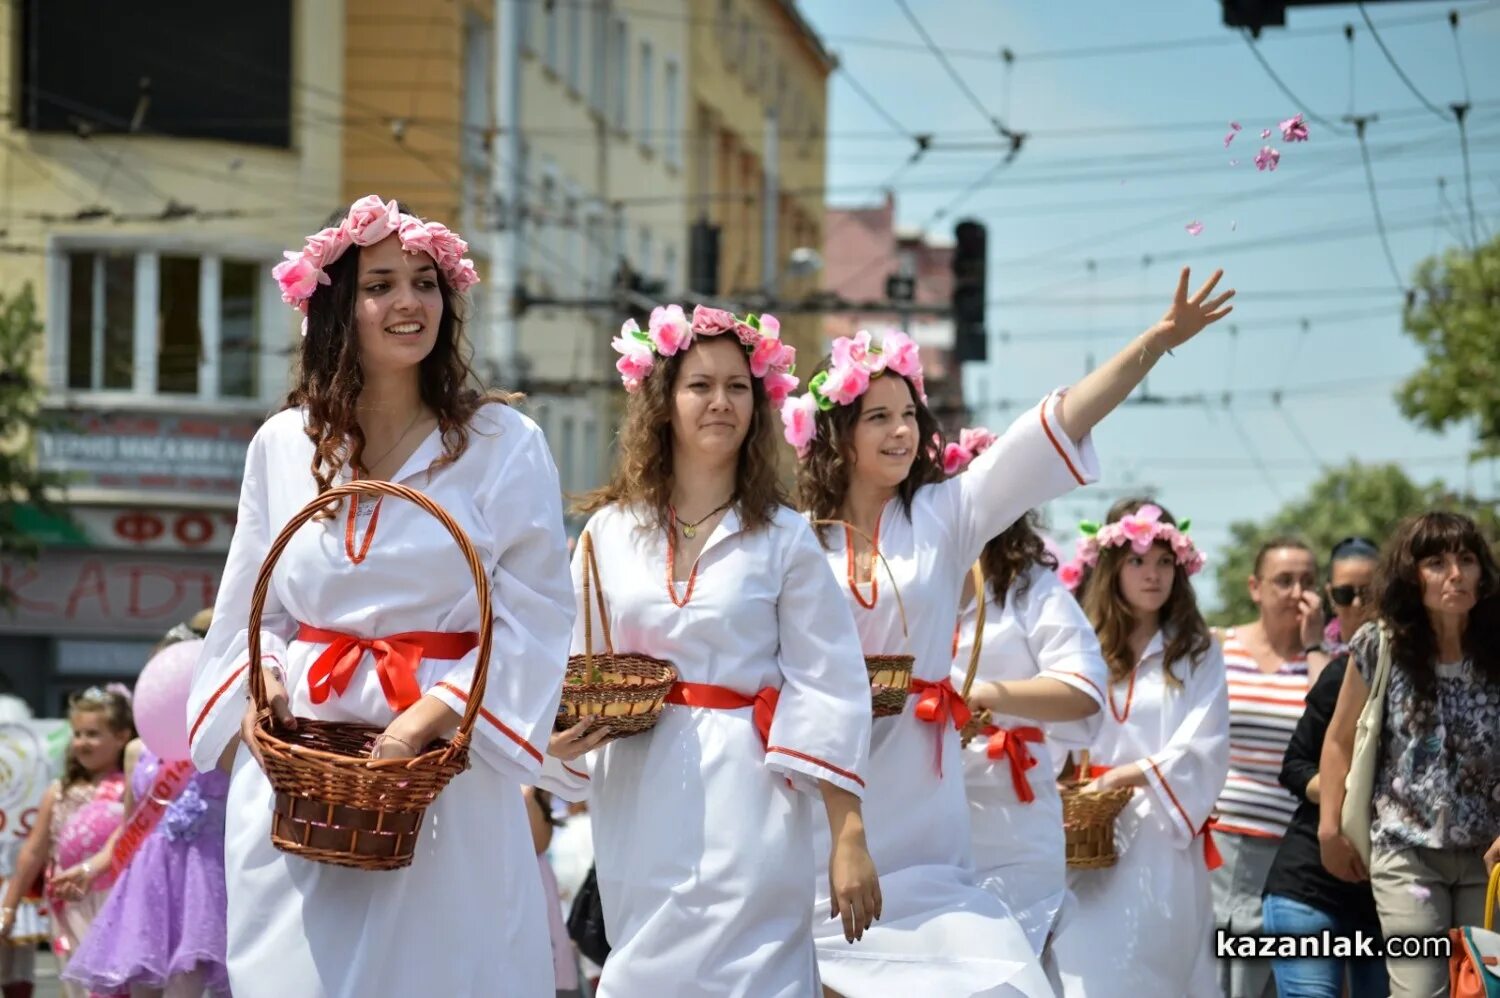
[1270, 664]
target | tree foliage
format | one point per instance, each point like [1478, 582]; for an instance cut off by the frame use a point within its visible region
[1367, 500]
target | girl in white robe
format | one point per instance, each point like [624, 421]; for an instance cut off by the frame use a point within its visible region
[1144, 926]
[865, 436]
[704, 826]
[1039, 667]
[467, 916]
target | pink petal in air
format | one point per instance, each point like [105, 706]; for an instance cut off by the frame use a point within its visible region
[1193, 228]
[1265, 133]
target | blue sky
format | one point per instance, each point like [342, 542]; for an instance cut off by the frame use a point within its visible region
[1145, 128]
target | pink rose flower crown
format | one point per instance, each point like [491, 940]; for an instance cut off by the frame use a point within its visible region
[368, 222]
[855, 361]
[669, 330]
[1140, 530]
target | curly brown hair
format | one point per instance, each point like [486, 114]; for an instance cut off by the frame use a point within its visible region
[823, 477]
[643, 470]
[1399, 587]
[1008, 556]
[1182, 625]
[329, 378]
[115, 707]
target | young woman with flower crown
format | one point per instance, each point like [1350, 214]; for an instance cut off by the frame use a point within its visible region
[1145, 925]
[862, 431]
[1041, 675]
[704, 826]
[371, 618]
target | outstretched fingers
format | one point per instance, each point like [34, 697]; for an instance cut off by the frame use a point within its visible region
[1208, 287]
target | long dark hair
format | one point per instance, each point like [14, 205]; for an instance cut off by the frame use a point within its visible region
[643, 468]
[1008, 557]
[823, 478]
[114, 705]
[329, 378]
[1182, 625]
[1399, 584]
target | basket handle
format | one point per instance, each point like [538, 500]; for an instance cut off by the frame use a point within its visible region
[976, 572]
[481, 589]
[591, 574]
[900, 606]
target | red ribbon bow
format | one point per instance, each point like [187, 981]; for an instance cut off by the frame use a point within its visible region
[1011, 743]
[1211, 855]
[396, 660]
[938, 703]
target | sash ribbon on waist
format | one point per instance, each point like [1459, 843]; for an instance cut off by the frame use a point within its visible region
[396, 659]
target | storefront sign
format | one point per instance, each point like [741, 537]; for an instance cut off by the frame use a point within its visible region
[110, 593]
[149, 452]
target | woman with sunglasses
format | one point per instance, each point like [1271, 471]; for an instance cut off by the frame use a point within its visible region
[1301, 897]
[1351, 569]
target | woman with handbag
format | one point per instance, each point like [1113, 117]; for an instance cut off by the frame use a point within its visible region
[1144, 925]
[865, 436]
[1421, 808]
[1038, 667]
[371, 618]
[704, 825]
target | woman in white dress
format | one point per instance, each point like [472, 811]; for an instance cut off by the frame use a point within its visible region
[865, 434]
[703, 826]
[1039, 667]
[1145, 925]
[382, 393]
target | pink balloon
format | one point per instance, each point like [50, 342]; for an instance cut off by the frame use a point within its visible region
[161, 696]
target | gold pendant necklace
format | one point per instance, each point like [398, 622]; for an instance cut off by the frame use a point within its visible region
[691, 529]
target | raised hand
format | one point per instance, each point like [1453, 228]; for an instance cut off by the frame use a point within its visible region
[1188, 316]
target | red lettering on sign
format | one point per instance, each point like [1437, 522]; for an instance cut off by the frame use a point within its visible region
[138, 573]
[91, 582]
[139, 526]
[28, 818]
[193, 529]
[17, 586]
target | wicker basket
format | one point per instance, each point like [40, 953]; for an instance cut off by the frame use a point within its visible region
[1089, 819]
[980, 718]
[624, 691]
[333, 803]
[890, 675]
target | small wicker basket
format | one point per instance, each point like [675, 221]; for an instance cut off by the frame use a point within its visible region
[890, 675]
[624, 691]
[333, 803]
[1089, 819]
[980, 718]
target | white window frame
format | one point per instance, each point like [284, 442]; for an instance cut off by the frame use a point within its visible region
[551, 37]
[598, 64]
[672, 119]
[275, 332]
[620, 70]
[647, 83]
[573, 58]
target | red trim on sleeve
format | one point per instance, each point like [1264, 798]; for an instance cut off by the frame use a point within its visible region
[1077, 675]
[499, 725]
[1052, 438]
[816, 762]
[203, 714]
[1168, 788]
[581, 776]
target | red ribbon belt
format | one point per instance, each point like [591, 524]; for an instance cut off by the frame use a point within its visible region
[1211, 856]
[723, 698]
[396, 660]
[938, 703]
[1010, 743]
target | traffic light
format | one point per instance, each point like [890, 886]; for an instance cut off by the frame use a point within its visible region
[969, 266]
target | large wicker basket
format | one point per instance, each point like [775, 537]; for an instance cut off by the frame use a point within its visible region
[890, 675]
[624, 691]
[1089, 819]
[980, 718]
[333, 803]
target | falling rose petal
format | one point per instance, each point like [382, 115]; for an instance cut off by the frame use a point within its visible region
[1193, 228]
[1267, 158]
[1265, 133]
[1228, 139]
[1234, 125]
[1420, 891]
[1294, 129]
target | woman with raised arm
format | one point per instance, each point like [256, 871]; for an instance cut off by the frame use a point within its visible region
[704, 826]
[864, 434]
[371, 618]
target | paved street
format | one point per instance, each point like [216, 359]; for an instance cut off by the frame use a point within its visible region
[46, 977]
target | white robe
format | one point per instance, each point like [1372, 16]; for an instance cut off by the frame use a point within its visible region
[1019, 851]
[1145, 925]
[703, 837]
[940, 933]
[468, 916]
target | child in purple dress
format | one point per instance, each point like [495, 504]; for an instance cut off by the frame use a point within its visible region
[162, 931]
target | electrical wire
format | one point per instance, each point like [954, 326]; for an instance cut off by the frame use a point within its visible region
[1391, 58]
[1312, 115]
[953, 74]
